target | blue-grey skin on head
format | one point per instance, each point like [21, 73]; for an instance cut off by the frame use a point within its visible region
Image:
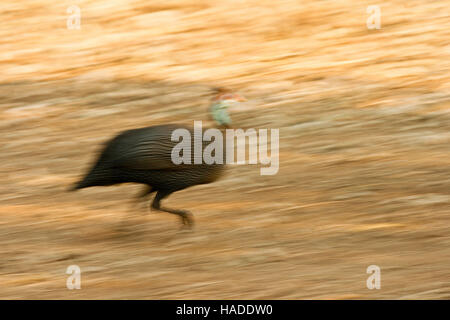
[220, 104]
[220, 113]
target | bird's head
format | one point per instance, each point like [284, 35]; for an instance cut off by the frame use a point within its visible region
[223, 94]
[224, 98]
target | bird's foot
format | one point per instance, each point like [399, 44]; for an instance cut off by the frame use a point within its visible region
[187, 220]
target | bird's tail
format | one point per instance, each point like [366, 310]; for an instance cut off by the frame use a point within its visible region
[96, 177]
[80, 185]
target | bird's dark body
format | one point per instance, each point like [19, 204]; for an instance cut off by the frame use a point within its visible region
[144, 156]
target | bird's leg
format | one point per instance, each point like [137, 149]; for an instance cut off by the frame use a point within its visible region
[186, 216]
[131, 214]
[142, 195]
[147, 190]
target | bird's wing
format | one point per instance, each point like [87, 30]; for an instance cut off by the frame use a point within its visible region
[144, 149]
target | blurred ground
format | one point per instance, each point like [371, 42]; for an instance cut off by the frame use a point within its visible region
[364, 158]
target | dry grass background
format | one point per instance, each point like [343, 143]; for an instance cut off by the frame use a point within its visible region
[364, 149]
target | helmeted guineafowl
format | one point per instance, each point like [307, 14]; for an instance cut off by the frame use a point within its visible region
[144, 156]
